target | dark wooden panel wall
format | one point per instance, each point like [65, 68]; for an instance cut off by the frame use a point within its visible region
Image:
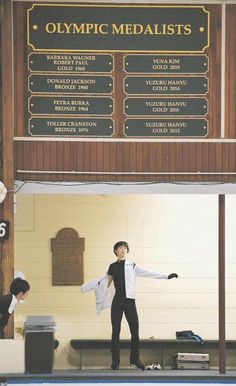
[128, 156]
[187, 160]
[1, 158]
[7, 172]
[230, 71]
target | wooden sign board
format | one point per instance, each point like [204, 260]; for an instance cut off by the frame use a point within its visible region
[67, 258]
[85, 61]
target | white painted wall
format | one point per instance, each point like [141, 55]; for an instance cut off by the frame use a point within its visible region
[166, 233]
[12, 356]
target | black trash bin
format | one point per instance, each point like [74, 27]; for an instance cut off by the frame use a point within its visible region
[39, 343]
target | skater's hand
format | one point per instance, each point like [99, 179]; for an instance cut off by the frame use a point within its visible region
[173, 275]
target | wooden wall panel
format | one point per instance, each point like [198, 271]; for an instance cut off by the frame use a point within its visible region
[20, 68]
[126, 158]
[214, 54]
[131, 156]
[230, 73]
[1, 161]
[7, 250]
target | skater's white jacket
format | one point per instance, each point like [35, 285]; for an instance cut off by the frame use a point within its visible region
[104, 295]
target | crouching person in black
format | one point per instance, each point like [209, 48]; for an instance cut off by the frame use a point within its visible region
[19, 290]
[123, 274]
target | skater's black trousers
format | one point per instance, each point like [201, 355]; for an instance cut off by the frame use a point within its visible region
[119, 306]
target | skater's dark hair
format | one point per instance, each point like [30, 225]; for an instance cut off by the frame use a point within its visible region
[120, 244]
[19, 285]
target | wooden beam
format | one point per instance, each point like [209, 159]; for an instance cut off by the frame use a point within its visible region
[7, 261]
[222, 360]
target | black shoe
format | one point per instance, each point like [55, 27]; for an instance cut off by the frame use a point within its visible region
[138, 364]
[115, 364]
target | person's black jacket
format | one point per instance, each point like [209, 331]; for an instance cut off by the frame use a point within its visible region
[5, 301]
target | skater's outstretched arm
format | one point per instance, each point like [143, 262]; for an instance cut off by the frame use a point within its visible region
[153, 274]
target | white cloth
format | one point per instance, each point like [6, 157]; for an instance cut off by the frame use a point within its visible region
[13, 304]
[3, 191]
[104, 295]
[19, 274]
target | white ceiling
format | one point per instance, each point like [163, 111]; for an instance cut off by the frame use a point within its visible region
[23, 187]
